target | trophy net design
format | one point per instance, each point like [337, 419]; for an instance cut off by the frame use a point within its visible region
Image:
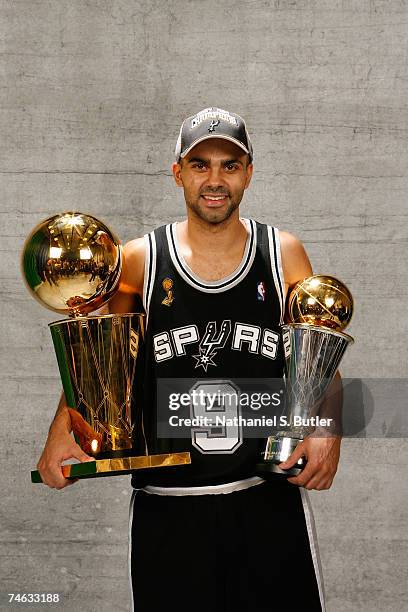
[320, 307]
[97, 359]
[71, 264]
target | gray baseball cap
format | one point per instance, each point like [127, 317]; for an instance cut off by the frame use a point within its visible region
[212, 122]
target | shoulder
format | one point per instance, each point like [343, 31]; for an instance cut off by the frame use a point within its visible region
[289, 242]
[134, 249]
[295, 261]
[133, 264]
[127, 297]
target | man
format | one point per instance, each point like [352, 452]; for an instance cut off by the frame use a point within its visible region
[214, 535]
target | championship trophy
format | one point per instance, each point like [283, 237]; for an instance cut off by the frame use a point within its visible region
[71, 264]
[319, 308]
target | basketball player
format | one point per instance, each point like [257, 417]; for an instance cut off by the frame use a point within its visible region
[213, 535]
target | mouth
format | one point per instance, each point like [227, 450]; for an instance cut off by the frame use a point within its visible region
[214, 200]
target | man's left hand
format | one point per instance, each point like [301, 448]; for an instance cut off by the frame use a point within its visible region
[322, 454]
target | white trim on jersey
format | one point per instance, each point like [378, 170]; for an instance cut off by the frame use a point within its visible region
[279, 263]
[153, 272]
[224, 283]
[229, 487]
[132, 500]
[311, 531]
[146, 270]
[150, 271]
[276, 265]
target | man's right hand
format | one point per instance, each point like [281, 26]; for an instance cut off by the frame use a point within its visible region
[59, 447]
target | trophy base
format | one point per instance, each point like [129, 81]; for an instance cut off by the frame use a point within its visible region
[269, 469]
[278, 449]
[118, 466]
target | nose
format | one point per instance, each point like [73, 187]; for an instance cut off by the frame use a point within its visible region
[215, 179]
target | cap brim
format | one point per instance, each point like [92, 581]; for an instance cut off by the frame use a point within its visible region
[221, 136]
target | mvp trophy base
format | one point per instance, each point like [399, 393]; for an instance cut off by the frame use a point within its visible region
[118, 466]
[278, 450]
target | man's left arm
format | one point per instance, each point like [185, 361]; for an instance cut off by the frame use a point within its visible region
[322, 447]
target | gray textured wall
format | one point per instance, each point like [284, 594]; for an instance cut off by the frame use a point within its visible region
[91, 97]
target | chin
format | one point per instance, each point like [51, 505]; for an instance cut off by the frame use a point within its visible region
[215, 216]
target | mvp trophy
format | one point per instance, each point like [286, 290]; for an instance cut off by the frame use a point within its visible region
[71, 264]
[320, 307]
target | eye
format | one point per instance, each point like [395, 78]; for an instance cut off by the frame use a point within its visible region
[231, 167]
[198, 165]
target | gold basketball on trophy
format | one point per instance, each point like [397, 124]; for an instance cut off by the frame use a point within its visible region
[322, 301]
[71, 263]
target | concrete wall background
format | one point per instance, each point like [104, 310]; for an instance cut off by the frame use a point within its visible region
[91, 98]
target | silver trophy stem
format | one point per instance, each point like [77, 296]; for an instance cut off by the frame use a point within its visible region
[312, 357]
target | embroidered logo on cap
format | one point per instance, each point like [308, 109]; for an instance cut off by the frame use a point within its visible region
[213, 125]
[212, 113]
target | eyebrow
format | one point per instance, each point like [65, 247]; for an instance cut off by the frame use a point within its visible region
[224, 162]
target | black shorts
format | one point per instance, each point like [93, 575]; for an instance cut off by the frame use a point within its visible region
[252, 550]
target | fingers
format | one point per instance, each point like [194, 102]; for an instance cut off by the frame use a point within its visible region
[294, 457]
[50, 464]
[78, 453]
[51, 474]
[319, 485]
[314, 476]
[306, 475]
[322, 456]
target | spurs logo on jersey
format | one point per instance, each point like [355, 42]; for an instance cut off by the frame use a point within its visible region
[209, 345]
[172, 344]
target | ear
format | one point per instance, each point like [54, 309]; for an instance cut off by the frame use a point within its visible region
[249, 170]
[176, 168]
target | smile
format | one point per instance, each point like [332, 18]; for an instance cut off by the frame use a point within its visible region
[214, 198]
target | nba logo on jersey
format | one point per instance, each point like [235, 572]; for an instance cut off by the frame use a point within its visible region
[260, 294]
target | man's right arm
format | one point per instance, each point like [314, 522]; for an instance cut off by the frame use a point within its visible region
[60, 445]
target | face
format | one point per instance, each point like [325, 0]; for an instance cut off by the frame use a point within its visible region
[214, 176]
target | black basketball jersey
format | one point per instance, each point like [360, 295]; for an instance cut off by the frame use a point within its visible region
[208, 331]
